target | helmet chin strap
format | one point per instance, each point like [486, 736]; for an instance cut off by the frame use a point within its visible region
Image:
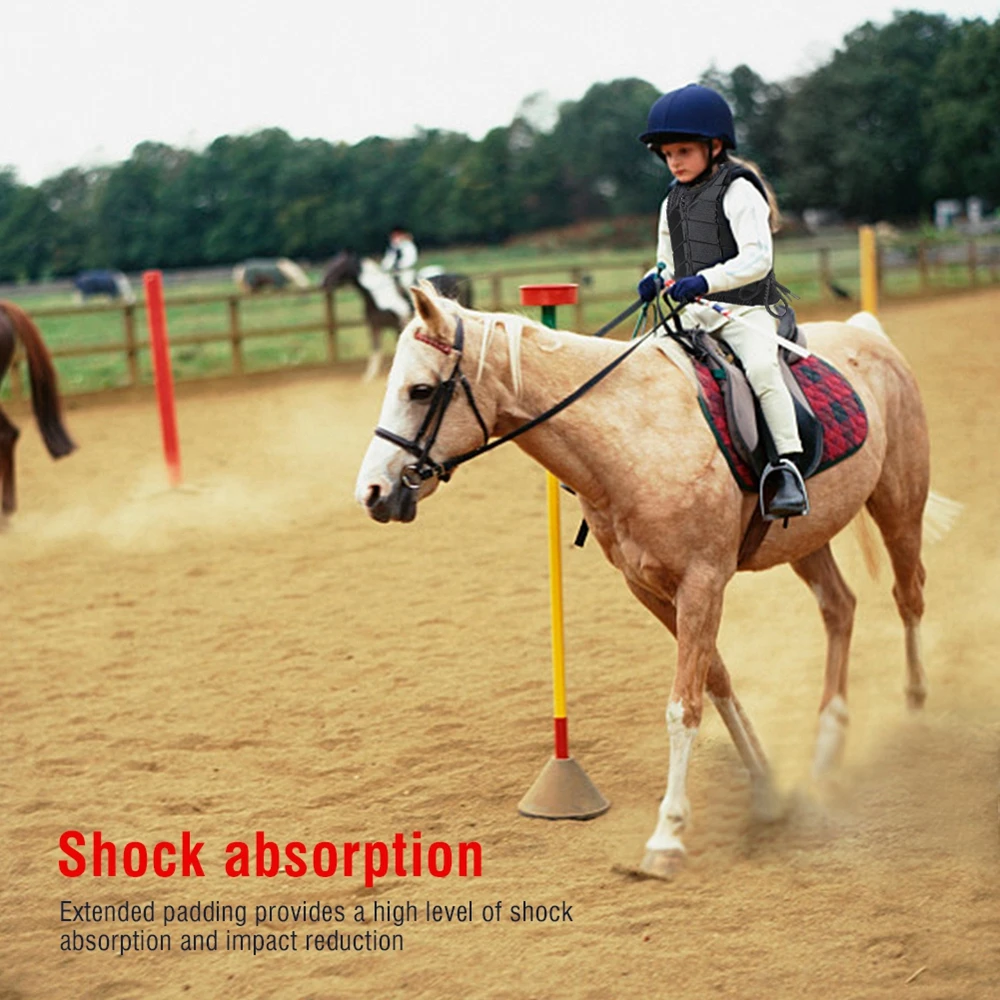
[713, 161]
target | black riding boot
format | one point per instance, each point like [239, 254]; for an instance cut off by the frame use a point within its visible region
[789, 499]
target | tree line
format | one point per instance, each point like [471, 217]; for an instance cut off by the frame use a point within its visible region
[900, 115]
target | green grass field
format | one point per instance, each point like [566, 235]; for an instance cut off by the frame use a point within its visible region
[608, 284]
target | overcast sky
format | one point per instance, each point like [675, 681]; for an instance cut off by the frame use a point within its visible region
[81, 84]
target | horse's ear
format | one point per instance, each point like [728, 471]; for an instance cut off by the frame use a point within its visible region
[431, 315]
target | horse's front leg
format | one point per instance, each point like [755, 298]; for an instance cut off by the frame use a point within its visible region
[699, 610]
[720, 689]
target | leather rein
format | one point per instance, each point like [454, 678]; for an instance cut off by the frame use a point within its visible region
[421, 444]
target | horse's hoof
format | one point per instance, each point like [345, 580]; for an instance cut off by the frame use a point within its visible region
[664, 865]
[915, 698]
[767, 805]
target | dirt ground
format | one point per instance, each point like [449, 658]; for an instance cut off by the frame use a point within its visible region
[250, 652]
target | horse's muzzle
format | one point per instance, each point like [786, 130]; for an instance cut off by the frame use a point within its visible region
[399, 505]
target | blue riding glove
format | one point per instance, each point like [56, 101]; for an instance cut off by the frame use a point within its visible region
[650, 287]
[687, 289]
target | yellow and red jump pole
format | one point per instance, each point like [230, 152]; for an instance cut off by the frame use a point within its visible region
[156, 316]
[562, 790]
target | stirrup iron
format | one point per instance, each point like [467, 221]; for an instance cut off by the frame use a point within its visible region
[769, 469]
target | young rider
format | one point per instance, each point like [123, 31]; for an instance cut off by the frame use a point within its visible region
[400, 258]
[714, 241]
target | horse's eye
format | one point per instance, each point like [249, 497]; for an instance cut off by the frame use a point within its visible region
[421, 393]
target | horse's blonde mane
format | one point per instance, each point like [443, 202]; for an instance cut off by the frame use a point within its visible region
[512, 325]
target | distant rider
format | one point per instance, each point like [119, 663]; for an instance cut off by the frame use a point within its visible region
[400, 258]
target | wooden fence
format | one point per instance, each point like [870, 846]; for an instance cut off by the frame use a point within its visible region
[928, 267]
[134, 339]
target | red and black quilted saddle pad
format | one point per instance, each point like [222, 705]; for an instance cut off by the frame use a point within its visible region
[833, 400]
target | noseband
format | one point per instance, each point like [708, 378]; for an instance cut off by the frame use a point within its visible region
[422, 442]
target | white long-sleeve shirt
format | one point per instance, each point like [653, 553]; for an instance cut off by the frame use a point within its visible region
[749, 218]
[400, 260]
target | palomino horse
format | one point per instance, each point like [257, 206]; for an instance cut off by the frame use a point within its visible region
[386, 307]
[15, 324]
[658, 494]
[258, 275]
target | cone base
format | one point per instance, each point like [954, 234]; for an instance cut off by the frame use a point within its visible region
[563, 791]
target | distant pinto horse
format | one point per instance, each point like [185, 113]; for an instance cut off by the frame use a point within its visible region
[258, 275]
[15, 324]
[113, 284]
[660, 498]
[386, 304]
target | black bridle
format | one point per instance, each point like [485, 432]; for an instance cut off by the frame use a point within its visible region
[423, 441]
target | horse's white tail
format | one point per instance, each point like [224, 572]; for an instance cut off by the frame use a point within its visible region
[868, 321]
[293, 272]
[940, 514]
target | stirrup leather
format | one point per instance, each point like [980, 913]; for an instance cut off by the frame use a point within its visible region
[769, 469]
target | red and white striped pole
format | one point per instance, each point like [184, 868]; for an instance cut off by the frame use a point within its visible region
[156, 316]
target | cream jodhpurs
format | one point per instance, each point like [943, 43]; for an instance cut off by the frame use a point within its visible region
[751, 336]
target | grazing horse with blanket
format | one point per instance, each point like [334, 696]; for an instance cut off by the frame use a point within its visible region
[258, 275]
[113, 284]
[660, 496]
[15, 324]
[387, 306]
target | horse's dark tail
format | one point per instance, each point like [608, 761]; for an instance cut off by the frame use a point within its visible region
[44, 388]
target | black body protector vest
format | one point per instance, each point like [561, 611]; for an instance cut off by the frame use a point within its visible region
[700, 234]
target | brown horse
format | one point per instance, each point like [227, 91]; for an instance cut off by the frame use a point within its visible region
[15, 324]
[659, 497]
[386, 307]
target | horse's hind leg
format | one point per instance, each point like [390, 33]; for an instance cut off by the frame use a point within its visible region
[8, 439]
[766, 804]
[902, 532]
[836, 604]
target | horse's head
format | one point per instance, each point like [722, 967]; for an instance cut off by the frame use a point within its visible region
[430, 414]
[343, 267]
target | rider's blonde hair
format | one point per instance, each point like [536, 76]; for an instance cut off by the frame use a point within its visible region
[772, 198]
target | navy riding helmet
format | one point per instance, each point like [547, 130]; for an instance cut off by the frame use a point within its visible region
[693, 112]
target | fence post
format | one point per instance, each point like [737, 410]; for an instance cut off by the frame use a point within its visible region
[131, 348]
[330, 308]
[496, 292]
[235, 337]
[577, 279]
[825, 291]
[869, 269]
[973, 264]
[922, 266]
